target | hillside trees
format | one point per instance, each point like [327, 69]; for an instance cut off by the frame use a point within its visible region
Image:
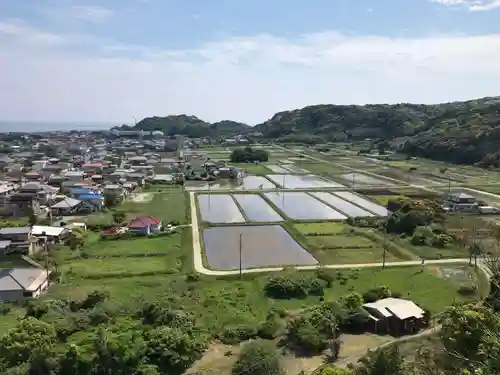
[248, 155]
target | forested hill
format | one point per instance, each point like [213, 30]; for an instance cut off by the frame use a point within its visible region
[190, 126]
[462, 132]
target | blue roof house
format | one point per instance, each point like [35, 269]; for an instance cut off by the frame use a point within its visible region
[92, 202]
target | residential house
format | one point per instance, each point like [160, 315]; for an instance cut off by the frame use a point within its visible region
[21, 240]
[5, 160]
[146, 170]
[38, 165]
[136, 177]
[6, 190]
[17, 284]
[137, 160]
[117, 176]
[231, 172]
[30, 197]
[67, 206]
[44, 193]
[144, 225]
[75, 175]
[83, 190]
[396, 315]
[91, 202]
[5, 247]
[53, 234]
[56, 181]
[461, 202]
[33, 176]
[129, 187]
[92, 168]
[113, 189]
[162, 179]
[54, 169]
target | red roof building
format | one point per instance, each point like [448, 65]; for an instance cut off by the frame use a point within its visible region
[144, 225]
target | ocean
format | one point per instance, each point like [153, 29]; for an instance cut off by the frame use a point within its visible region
[35, 126]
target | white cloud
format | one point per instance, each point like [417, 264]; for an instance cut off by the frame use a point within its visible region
[472, 5]
[26, 35]
[92, 13]
[240, 78]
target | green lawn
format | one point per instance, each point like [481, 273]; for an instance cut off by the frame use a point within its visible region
[222, 302]
[107, 267]
[321, 228]
[339, 241]
[352, 256]
[168, 205]
[165, 245]
[383, 199]
[428, 252]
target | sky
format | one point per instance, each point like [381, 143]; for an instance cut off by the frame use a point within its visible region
[113, 61]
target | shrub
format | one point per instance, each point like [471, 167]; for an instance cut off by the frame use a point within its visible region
[293, 286]
[4, 308]
[326, 275]
[312, 331]
[118, 217]
[234, 335]
[352, 301]
[258, 358]
[375, 294]
[467, 290]
[192, 277]
[396, 294]
[272, 327]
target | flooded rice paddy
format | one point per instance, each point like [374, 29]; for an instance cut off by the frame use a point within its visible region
[301, 206]
[301, 182]
[277, 169]
[366, 204]
[362, 179]
[256, 208]
[219, 208]
[343, 206]
[261, 246]
[245, 183]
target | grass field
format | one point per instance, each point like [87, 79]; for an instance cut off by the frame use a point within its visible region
[321, 228]
[384, 199]
[352, 256]
[223, 302]
[107, 267]
[132, 247]
[428, 252]
[339, 241]
[168, 205]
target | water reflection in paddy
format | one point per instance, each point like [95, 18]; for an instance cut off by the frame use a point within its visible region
[219, 208]
[256, 208]
[301, 206]
[289, 181]
[245, 183]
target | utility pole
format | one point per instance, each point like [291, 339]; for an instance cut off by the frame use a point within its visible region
[384, 256]
[241, 252]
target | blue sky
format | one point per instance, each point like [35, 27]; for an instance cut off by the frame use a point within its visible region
[113, 60]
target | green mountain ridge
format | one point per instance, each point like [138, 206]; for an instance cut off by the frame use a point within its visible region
[190, 126]
[465, 132]
[460, 132]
